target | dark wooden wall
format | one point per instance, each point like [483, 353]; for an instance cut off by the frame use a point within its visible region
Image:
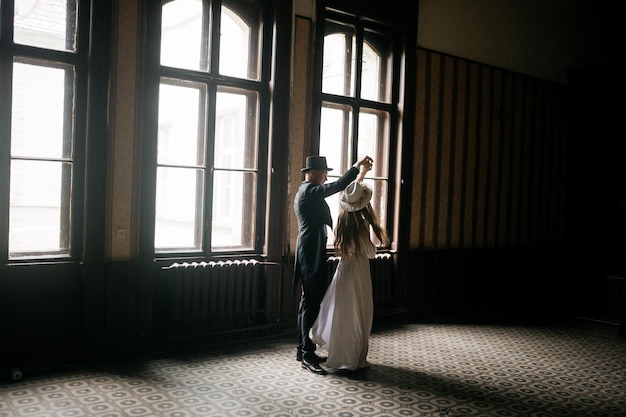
[489, 157]
[595, 190]
[487, 204]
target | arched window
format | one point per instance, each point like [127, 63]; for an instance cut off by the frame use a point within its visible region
[212, 118]
[358, 112]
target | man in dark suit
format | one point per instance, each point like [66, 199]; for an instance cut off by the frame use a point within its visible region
[313, 216]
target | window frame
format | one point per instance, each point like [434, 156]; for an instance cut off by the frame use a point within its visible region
[335, 16]
[266, 95]
[79, 60]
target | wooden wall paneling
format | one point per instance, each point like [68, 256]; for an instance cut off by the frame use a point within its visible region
[595, 197]
[462, 171]
[495, 159]
[444, 160]
[526, 160]
[469, 166]
[431, 143]
[458, 158]
[94, 311]
[547, 137]
[41, 314]
[552, 184]
[557, 167]
[424, 276]
[550, 190]
[530, 158]
[537, 141]
[517, 160]
[487, 164]
[505, 118]
[125, 298]
[482, 156]
[416, 238]
[449, 289]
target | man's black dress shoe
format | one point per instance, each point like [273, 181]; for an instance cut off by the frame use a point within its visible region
[320, 359]
[313, 367]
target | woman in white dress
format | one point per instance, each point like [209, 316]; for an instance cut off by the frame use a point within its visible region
[346, 314]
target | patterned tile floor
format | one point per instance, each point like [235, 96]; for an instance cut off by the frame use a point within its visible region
[436, 370]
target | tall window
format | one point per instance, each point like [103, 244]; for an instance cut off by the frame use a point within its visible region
[213, 101]
[358, 110]
[42, 77]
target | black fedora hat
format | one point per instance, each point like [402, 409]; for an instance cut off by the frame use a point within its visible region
[316, 162]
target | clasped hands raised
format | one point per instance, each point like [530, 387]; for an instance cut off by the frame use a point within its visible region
[365, 163]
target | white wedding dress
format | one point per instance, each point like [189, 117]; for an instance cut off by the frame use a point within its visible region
[346, 314]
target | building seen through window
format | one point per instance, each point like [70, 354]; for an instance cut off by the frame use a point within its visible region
[42, 127]
[208, 127]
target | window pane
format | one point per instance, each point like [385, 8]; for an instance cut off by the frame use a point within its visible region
[347, 105]
[379, 200]
[209, 124]
[339, 64]
[46, 24]
[335, 137]
[181, 126]
[376, 67]
[180, 191]
[234, 216]
[239, 43]
[335, 144]
[374, 140]
[39, 216]
[38, 112]
[179, 207]
[333, 203]
[182, 36]
[236, 130]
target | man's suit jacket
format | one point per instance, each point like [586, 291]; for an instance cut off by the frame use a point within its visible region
[313, 215]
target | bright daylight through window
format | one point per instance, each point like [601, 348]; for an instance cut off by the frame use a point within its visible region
[356, 108]
[42, 129]
[208, 127]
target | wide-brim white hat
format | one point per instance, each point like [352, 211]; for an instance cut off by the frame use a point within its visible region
[356, 196]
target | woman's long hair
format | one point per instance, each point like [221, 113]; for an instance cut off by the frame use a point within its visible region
[351, 224]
